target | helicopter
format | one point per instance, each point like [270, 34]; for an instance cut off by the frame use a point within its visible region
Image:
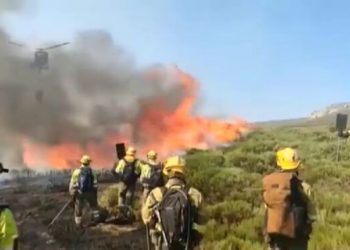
[41, 55]
[41, 62]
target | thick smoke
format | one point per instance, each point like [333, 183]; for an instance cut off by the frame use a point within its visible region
[91, 89]
[10, 5]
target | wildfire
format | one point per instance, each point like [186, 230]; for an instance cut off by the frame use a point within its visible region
[166, 130]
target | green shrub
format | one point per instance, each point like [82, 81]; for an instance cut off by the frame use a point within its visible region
[251, 228]
[233, 194]
[230, 212]
[109, 200]
[205, 160]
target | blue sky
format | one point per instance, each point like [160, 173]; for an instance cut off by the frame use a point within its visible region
[258, 59]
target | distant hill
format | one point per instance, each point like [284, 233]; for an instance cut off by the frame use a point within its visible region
[331, 110]
[282, 123]
[322, 117]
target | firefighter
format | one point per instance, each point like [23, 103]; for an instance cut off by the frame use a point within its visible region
[128, 171]
[157, 216]
[83, 188]
[151, 174]
[8, 229]
[289, 209]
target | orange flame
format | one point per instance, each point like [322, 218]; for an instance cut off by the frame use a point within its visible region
[166, 131]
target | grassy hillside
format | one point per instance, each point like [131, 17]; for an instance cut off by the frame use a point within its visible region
[323, 117]
[230, 180]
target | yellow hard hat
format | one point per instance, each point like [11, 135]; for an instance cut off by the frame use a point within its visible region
[287, 159]
[175, 164]
[152, 155]
[131, 151]
[85, 159]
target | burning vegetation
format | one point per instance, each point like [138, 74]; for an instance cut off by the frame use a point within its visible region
[92, 97]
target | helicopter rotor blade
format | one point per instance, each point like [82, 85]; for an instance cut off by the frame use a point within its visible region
[56, 46]
[16, 44]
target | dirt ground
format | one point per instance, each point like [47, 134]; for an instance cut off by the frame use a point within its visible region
[35, 207]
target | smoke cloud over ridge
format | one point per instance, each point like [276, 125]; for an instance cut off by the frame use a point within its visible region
[10, 5]
[93, 96]
[91, 89]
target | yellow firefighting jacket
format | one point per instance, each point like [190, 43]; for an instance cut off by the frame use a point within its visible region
[310, 205]
[119, 168]
[8, 230]
[146, 169]
[156, 196]
[74, 181]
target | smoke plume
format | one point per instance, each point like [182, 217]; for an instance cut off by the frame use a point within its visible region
[10, 5]
[92, 89]
[92, 96]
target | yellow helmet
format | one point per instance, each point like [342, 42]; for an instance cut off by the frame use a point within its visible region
[287, 159]
[152, 155]
[85, 160]
[131, 151]
[175, 164]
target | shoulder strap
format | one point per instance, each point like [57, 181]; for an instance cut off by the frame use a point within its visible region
[156, 202]
[163, 190]
[81, 170]
[297, 189]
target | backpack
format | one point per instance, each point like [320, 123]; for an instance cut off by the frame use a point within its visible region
[174, 213]
[129, 176]
[286, 213]
[86, 180]
[156, 177]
